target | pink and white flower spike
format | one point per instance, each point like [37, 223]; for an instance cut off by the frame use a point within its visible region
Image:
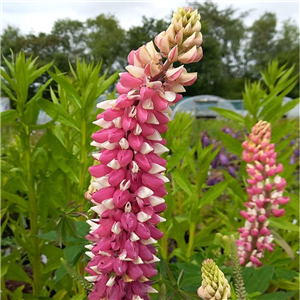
[128, 179]
[265, 190]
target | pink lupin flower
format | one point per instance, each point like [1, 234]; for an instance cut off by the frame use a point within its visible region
[128, 179]
[265, 189]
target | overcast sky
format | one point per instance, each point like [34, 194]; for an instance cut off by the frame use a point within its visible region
[39, 16]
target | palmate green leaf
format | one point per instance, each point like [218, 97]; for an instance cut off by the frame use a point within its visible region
[53, 253]
[73, 253]
[232, 144]
[79, 297]
[31, 113]
[235, 186]
[39, 93]
[175, 158]
[228, 114]
[8, 116]
[20, 202]
[182, 182]
[213, 193]
[283, 144]
[204, 158]
[277, 296]
[62, 157]
[283, 244]
[68, 87]
[16, 273]
[205, 237]
[37, 73]
[258, 280]
[275, 117]
[17, 294]
[286, 274]
[8, 92]
[55, 112]
[281, 130]
[294, 203]
[4, 265]
[6, 76]
[179, 225]
[42, 126]
[288, 285]
[283, 224]
[4, 223]
[252, 96]
[106, 84]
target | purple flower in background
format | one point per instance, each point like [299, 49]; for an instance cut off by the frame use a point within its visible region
[231, 171]
[224, 160]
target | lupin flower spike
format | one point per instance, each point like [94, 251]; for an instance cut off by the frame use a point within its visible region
[214, 284]
[265, 192]
[127, 187]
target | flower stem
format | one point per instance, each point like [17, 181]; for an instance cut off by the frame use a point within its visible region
[82, 174]
[191, 239]
[179, 204]
[3, 289]
[164, 243]
[237, 272]
[33, 213]
[83, 160]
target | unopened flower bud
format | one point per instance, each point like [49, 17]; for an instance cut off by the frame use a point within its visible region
[214, 284]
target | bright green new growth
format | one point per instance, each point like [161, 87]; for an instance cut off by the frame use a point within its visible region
[214, 284]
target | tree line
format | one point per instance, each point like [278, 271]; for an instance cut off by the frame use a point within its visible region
[233, 52]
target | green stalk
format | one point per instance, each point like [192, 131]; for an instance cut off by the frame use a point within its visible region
[179, 203]
[3, 289]
[83, 161]
[164, 243]
[33, 213]
[82, 200]
[191, 239]
[67, 179]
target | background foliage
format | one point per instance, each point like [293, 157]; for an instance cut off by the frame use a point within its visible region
[233, 51]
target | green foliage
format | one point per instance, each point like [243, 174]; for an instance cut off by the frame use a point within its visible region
[232, 50]
[44, 175]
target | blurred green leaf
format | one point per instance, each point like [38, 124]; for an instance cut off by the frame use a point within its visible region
[8, 116]
[17, 294]
[283, 224]
[16, 273]
[213, 193]
[232, 144]
[258, 280]
[277, 296]
[73, 253]
[64, 83]
[182, 182]
[55, 112]
[22, 204]
[229, 114]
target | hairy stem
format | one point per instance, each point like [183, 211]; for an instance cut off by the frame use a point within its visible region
[237, 272]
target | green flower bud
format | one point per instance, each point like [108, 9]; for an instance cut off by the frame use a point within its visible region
[214, 284]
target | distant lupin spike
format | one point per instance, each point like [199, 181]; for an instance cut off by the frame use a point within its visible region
[265, 192]
[127, 186]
